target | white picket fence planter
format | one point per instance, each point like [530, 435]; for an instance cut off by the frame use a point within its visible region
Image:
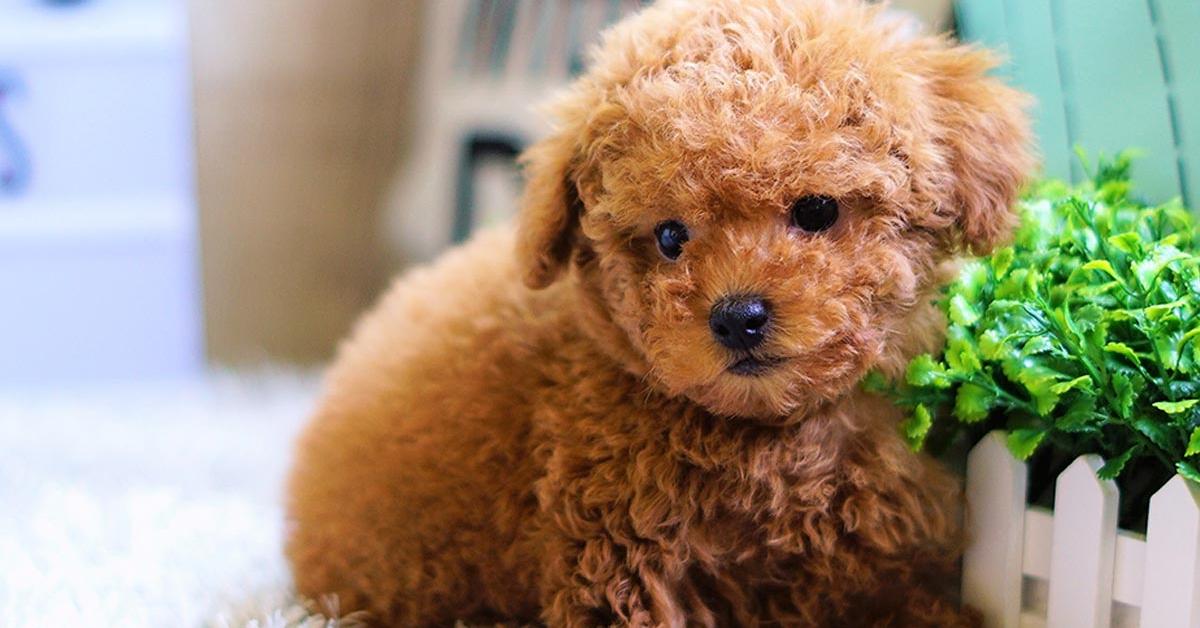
[1072, 568]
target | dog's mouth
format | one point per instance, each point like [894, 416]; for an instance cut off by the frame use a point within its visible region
[751, 366]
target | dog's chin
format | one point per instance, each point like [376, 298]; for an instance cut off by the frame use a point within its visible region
[780, 384]
[755, 389]
[768, 389]
[759, 388]
[738, 400]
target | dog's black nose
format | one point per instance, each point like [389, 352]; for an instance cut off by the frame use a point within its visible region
[739, 322]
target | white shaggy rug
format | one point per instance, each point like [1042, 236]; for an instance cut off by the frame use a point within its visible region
[152, 505]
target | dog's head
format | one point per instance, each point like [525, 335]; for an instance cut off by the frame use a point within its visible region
[755, 195]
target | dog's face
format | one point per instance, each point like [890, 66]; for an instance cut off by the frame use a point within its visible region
[756, 193]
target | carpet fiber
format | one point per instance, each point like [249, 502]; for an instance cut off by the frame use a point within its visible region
[149, 505]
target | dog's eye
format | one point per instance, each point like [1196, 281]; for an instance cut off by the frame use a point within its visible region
[814, 213]
[670, 236]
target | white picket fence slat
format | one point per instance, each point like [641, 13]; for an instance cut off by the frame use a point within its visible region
[1029, 567]
[1085, 539]
[1172, 592]
[992, 567]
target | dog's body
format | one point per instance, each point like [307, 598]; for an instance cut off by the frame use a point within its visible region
[457, 475]
[674, 437]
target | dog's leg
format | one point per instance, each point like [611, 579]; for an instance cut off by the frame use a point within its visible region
[597, 582]
[598, 571]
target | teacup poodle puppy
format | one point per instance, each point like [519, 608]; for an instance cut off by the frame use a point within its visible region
[641, 406]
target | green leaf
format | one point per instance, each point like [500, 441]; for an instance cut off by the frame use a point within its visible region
[1102, 265]
[924, 371]
[1156, 312]
[1188, 471]
[876, 382]
[961, 356]
[961, 312]
[991, 345]
[1002, 260]
[1121, 348]
[1112, 468]
[1078, 416]
[1013, 285]
[971, 280]
[1129, 242]
[1038, 344]
[1193, 447]
[1117, 316]
[1175, 407]
[1089, 317]
[972, 403]
[1082, 382]
[1100, 289]
[1040, 381]
[1123, 401]
[1192, 333]
[1158, 433]
[1033, 280]
[1166, 347]
[1023, 442]
[1148, 270]
[916, 426]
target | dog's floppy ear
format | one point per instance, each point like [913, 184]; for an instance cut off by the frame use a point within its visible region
[550, 209]
[982, 128]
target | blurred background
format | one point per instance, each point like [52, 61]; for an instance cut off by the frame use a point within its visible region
[231, 183]
[198, 198]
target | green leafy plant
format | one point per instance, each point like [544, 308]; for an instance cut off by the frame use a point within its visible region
[1081, 337]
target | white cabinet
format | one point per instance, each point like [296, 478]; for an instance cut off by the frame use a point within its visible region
[98, 267]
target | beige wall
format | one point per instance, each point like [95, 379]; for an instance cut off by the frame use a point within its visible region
[299, 126]
[301, 123]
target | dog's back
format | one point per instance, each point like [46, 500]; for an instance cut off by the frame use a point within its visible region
[416, 474]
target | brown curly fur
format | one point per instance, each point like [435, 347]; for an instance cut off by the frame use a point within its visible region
[575, 451]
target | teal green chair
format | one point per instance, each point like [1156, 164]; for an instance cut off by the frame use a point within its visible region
[1108, 75]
